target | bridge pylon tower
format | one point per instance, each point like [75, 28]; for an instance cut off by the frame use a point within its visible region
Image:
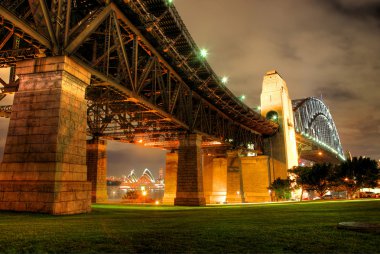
[276, 106]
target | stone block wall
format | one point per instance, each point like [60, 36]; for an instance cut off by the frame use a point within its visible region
[97, 169]
[234, 193]
[170, 178]
[219, 181]
[45, 150]
[190, 180]
[207, 173]
[255, 178]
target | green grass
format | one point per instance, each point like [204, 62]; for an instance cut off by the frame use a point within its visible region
[307, 227]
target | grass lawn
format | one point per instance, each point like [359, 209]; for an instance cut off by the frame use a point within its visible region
[307, 227]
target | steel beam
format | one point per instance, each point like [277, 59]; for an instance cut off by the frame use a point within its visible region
[49, 25]
[74, 44]
[67, 23]
[17, 22]
[6, 39]
[129, 93]
[121, 43]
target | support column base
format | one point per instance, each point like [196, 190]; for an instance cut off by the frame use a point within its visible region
[256, 197]
[234, 199]
[190, 201]
[218, 197]
[168, 199]
[58, 198]
[101, 197]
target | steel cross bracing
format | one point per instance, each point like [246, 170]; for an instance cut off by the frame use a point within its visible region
[147, 78]
[314, 123]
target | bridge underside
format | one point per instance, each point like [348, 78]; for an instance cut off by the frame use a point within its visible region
[135, 70]
[314, 152]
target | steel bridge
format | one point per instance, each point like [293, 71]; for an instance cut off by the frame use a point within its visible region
[316, 134]
[130, 71]
[149, 83]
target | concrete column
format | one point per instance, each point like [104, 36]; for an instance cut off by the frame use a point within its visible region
[170, 178]
[189, 180]
[97, 169]
[255, 178]
[44, 164]
[234, 191]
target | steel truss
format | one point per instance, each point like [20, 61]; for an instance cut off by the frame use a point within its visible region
[313, 120]
[148, 81]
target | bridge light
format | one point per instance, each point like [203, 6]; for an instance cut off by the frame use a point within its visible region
[203, 53]
[224, 80]
[242, 97]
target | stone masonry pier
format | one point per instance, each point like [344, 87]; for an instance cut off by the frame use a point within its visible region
[44, 164]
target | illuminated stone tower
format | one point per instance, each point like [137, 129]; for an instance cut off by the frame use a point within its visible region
[276, 105]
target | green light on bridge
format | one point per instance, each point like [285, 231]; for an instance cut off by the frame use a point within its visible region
[224, 80]
[203, 52]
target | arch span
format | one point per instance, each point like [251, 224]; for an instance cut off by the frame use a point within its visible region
[312, 120]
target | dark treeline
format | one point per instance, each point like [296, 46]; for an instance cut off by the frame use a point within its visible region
[350, 176]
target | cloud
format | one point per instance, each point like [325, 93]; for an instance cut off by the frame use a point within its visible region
[364, 9]
[334, 93]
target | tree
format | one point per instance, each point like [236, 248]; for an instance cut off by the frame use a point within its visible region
[357, 173]
[320, 177]
[301, 176]
[282, 188]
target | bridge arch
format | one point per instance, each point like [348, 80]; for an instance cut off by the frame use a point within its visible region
[313, 120]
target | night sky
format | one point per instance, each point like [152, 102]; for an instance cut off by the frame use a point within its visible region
[328, 49]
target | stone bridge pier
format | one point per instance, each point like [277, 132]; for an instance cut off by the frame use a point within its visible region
[97, 169]
[189, 173]
[44, 164]
[195, 177]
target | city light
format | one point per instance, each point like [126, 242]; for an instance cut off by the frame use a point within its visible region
[242, 97]
[274, 117]
[204, 53]
[157, 202]
[224, 80]
[169, 2]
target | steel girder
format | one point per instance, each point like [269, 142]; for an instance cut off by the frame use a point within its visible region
[314, 122]
[139, 52]
[5, 111]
